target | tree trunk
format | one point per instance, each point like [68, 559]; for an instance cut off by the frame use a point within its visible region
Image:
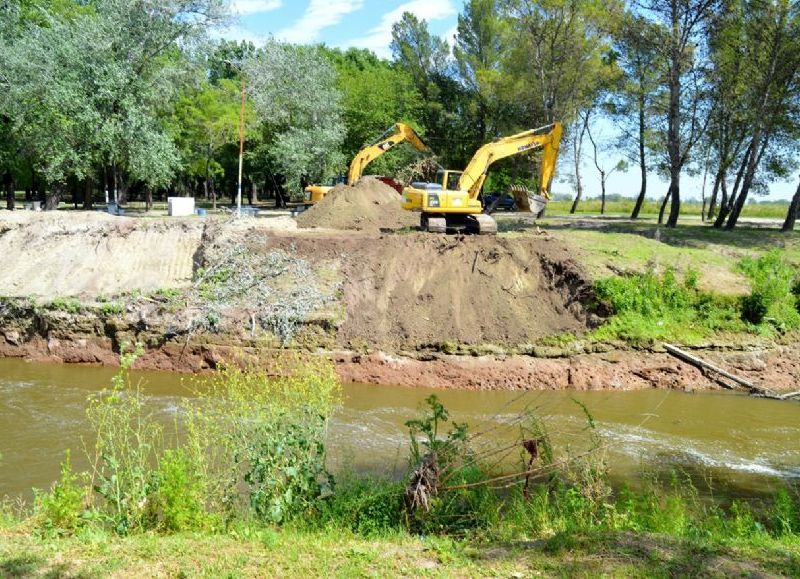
[602, 192]
[10, 187]
[791, 215]
[53, 196]
[88, 193]
[577, 146]
[148, 198]
[676, 57]
[255, 193]
[725, 208]
[750, 174]
[664, 206]
[642, 161]
[712, 204]
[213, 196]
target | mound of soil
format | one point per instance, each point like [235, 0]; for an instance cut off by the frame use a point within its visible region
[369, 205]
[422, 291]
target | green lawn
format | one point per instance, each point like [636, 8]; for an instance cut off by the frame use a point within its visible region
[273, 553]
[771, 210]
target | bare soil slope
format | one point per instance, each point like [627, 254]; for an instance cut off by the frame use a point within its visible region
[70, 254]
[369, 205]
[417, 290]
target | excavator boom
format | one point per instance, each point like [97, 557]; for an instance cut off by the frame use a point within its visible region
[475, 174]
[394, 136]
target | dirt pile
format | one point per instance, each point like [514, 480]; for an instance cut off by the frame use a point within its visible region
[427, 291]
[369, 205]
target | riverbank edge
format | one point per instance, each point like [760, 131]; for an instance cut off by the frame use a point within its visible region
[73, 338]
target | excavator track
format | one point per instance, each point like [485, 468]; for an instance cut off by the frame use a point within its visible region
[485, 224]
[433, 224]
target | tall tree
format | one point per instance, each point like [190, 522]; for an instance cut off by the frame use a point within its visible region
[682, 45]
[632, 104]
[773, 71]
[294, 93]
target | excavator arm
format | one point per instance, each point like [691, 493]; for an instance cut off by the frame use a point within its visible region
[394, 136]
[475, 174]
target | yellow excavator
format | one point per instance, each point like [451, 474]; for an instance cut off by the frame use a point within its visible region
[394, 136]
[453, 201]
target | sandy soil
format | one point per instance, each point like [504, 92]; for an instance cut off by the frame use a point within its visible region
[88, 254]
[370, 205]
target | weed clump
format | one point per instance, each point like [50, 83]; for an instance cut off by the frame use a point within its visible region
[775, 287]
[650, 307]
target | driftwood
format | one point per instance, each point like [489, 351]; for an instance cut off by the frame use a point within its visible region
[706, 366]
[423, 484]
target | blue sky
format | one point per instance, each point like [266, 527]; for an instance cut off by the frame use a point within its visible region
[343, 23]
[368, 24]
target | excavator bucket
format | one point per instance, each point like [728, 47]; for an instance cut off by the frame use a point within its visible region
[527, 201]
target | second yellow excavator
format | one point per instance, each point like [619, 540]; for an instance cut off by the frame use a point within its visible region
[453, 203]
[394, 136]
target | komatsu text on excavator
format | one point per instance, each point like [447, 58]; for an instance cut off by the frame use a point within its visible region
[453, 203]
[394, 136]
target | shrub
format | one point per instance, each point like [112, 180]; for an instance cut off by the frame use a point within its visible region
[61, 510]
[68, 305]
[772, 282]
[177, 502]
[651, 307]
[128, 444]
[266, 428]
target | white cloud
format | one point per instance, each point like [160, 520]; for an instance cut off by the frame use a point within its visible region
[319, 14]
[379, 38]
[246, 7]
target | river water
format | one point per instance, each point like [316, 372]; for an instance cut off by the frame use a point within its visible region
[745, 446]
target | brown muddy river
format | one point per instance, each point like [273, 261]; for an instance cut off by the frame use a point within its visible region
[743, 445]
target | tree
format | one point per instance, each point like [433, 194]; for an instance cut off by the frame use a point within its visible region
[772, 66]
[375, 95]
[681, 46]
[294, 94]
[634, 100]
[793, 212]
[602, 170]
[478, 52]
[560, 63]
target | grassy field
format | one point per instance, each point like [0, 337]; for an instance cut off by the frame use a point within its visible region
[770, 210]
[265, 552]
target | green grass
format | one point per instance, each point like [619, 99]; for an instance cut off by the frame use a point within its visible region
[768, 210]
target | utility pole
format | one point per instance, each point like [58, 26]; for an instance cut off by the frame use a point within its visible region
[241, 151]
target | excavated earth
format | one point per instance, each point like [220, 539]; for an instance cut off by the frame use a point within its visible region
[397, 308]
[369, 205]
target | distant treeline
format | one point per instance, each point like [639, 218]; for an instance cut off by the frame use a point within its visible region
[115, 95]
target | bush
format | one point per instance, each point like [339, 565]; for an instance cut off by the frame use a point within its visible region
[128, 445]
[266, 428]
[61, 510]
[650, 307]
[772, 296]
[177, 503]
[364, 505]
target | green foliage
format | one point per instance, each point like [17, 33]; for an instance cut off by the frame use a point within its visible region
[363, 505]
[447, 448]
[265, 429]
[294, 94]
[177, 502]
[61, 511]
[68, 305]
[652, 307]
[772, 297]
[128, 444]
[111, 308]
